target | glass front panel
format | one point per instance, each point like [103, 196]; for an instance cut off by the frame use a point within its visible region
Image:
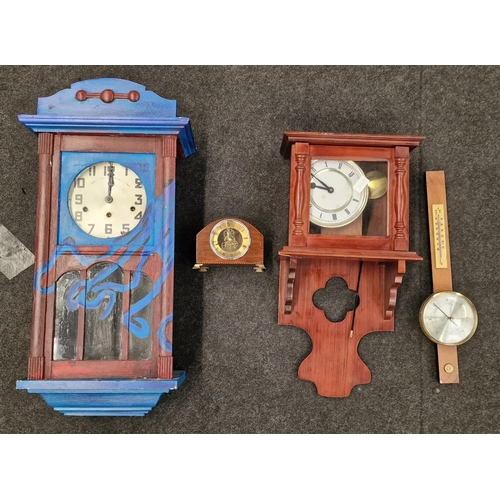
[103, 312]
[66, 316]
[141, 316]
[349, 198]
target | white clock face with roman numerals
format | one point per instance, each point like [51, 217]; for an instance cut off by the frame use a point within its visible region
[339, 192]
[107, 200]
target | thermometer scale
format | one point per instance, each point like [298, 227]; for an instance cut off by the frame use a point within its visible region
[440, 237]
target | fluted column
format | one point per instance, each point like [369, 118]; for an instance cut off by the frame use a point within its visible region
[36, 362]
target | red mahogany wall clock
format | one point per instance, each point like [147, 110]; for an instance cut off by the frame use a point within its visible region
[348, 218]
[101, 341]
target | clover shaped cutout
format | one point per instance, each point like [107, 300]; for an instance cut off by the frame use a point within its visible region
[336, 299]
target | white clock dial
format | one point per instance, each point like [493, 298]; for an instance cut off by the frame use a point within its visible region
[339, 192]
[107, 200]
[448, 318]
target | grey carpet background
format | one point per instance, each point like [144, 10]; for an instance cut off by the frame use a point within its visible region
[241, 366]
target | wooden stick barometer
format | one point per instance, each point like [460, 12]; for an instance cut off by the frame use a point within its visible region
[448, 318]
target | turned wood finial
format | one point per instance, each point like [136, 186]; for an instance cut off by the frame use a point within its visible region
[107, 96]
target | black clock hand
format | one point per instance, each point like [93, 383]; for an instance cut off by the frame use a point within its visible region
[327, 187]
[111, 182]
[313, 185]
[449, 317]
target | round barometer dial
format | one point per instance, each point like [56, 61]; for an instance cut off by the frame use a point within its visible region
[448, 318]
[230, 239]
[107, 200]
[339, 192]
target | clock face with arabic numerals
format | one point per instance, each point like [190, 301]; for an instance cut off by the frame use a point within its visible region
[107, 199]
[339, 192]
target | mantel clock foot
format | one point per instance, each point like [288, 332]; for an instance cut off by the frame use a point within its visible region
[200, 267]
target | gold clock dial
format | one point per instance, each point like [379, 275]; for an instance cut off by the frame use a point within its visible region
[230, 239]
[107, 200]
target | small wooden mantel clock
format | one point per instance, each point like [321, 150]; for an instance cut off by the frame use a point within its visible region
[101, 340]
[348, 218]
[232, 242]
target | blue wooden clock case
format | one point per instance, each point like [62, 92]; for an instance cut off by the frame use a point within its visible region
[101, 340]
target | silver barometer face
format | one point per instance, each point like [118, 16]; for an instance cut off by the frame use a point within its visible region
[339, 192]
[107, 200]
[448, 318]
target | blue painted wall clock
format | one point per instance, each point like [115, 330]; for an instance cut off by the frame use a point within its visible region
[101, 340]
